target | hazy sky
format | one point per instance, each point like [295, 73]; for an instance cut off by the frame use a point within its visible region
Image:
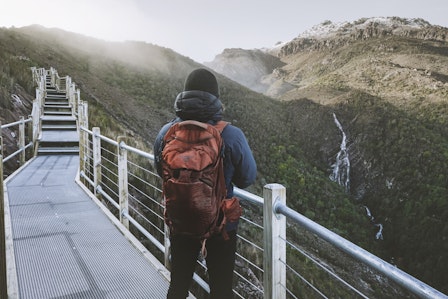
[201, 29]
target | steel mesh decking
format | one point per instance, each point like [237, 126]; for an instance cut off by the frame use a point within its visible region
[65, 246]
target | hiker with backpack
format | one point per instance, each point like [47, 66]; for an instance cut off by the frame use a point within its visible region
[200, 158]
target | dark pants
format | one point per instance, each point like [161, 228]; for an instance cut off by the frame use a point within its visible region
[220, 264]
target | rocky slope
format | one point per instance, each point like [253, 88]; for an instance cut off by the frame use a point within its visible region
[375, 55]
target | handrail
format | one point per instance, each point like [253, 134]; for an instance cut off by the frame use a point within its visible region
[402, 278]
[16, 123]
[21, 139]
[20, 150]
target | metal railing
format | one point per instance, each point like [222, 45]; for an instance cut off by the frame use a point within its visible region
[21, 139]
[273, 257]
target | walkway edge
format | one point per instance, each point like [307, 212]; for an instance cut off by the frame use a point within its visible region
[131, 238]
[11, 276]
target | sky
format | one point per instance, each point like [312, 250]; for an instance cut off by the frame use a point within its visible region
[202, 29]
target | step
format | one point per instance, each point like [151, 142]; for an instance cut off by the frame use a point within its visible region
[53, 91]
[59, 127]
[49, 124]
[56, 103]
[51, 112]
[58, 144]
[61, 136]
[49, 106]
[57, 118]
[56, 98]
[58, 150]
[56, 95]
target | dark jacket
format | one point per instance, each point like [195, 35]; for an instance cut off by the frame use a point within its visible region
[239, 164]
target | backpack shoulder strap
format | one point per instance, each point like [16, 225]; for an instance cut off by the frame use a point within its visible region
[220, 125]
[193, 122]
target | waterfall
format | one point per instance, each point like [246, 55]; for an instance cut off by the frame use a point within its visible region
[379, 234]
[341, 167]
[341, 174]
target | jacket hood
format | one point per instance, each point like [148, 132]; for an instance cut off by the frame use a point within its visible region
[198, 105]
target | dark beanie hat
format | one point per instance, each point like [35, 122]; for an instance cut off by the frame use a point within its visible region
[203, 80]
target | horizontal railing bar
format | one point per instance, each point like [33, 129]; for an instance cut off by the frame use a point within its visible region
[16, 123]
[123, 145]
[246, 195]
[100, 190]
[321, 266]
[17, 152]
[402, 278]
[257, 288]
[82, 174]
[102, 137]
[304, 280]
[204, 285]
[144, 231]
[108, 140]
[251, 243]
[249, 262]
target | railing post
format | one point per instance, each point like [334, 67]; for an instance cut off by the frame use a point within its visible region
[22, 140]
[96, 144]
[30, 132]
[167, 245]
[83, 139]
[274, 261]
[123, 181]
[78, 98]
[68, 82]
[36, 114]
[3, 272]
[53, 76]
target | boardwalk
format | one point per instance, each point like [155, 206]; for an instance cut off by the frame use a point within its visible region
[64, 244]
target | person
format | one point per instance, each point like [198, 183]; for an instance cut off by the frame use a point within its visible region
[200, 101]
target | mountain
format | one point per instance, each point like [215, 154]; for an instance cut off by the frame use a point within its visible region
[387, 50]
[385, 86]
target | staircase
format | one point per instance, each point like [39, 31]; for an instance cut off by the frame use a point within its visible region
[59, 133]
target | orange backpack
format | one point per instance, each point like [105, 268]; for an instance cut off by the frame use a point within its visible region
[193, 178]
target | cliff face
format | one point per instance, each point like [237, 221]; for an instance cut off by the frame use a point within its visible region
[331, 36]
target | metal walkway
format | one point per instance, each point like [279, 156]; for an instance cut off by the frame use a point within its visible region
[65, 245]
